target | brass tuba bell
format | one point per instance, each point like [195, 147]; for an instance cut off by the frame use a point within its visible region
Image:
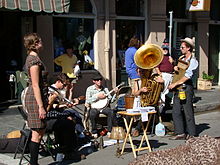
[147, 57]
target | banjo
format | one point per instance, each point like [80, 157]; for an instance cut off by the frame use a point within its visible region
[102, 103]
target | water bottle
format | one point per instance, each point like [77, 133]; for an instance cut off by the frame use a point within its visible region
[160, 129]
[137, 102]
[182, 92]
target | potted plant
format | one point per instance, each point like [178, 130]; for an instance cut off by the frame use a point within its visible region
[205, 83]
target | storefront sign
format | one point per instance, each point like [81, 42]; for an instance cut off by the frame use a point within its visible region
[198, 5]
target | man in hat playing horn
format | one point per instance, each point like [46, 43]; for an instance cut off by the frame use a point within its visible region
[182, 82]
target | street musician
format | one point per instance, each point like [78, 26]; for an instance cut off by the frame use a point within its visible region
[183, 92]
[94, 94]
[59, 103]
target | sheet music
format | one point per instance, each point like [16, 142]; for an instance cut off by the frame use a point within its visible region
[144, 116]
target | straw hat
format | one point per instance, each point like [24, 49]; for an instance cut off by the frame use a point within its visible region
[189, 41]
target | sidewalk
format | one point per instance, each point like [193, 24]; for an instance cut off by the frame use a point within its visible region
[204, 101]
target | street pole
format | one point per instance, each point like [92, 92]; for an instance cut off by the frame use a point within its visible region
[170, 32]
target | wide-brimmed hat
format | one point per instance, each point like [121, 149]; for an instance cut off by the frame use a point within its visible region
[97, 76]
[188, 41]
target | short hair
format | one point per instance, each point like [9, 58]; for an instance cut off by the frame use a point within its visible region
[134, 42]
[30, 41]
[189, 46]
[62, 77]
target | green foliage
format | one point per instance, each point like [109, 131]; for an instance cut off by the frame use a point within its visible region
[205, 76]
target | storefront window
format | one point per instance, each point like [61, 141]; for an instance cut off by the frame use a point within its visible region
[130, 7]
[126, 29]
[80, 6]
[79, 33]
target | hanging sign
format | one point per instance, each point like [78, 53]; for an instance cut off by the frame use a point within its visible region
[198, 5]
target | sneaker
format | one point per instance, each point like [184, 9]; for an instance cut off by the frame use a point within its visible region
[108, 134]
[81, 135]
[95, 135]
[178, 137]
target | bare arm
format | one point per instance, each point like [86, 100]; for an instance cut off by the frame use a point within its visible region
[34, 72]
[137, 92]
[179, 82]
[158, 70]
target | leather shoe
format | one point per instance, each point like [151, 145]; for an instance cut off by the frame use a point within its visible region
[189, 137]
[178, 137]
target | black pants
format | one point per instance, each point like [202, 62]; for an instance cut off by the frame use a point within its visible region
[65, 136]
[183, 113]
[93, 114]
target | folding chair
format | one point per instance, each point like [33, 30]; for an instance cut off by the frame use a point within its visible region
[25, 138]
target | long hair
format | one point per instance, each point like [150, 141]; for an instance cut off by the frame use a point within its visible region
[134, 42]
[30, 41]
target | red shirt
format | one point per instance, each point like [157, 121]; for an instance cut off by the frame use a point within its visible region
[165, 65]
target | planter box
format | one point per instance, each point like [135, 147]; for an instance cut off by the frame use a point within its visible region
[204, 84]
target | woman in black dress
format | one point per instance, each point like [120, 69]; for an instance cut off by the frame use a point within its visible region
[36, 96]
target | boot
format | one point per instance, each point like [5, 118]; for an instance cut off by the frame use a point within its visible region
[34, 150]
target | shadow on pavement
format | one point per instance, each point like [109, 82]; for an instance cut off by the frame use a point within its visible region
[201, 127]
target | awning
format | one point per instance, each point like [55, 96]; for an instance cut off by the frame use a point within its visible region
[49, 6]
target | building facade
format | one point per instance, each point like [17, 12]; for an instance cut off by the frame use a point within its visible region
[103, 29]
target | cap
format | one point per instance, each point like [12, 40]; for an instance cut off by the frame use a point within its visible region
[188, 41]
[166, 40]
[97, 76]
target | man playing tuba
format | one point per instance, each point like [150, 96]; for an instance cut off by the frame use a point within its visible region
[182, 84]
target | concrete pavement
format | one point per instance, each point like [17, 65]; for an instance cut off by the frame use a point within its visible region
[206, 123]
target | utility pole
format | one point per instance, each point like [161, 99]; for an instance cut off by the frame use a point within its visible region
[170, 30]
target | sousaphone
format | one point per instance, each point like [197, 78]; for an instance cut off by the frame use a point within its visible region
[147, 57]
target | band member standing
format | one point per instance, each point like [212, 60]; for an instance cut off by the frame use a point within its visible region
[187, 64]
[36, 96]
[95, 93]
[165, 70]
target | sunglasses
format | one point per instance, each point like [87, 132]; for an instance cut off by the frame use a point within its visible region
[182, 47]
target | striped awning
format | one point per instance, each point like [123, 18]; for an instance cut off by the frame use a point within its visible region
[49, 6]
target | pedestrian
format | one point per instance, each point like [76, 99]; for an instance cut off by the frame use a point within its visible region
[131, 67]
[165, 70]
[131, 70]
[183, 112]
[36, 96]
[173, 52]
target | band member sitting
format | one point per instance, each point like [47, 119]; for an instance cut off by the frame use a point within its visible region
[63, 120]
[94, 94]
[137, 90]
[61, 103]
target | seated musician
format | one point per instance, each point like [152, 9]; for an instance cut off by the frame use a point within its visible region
[61, 119]
[94, 94]
[62, 104]
[137, 90]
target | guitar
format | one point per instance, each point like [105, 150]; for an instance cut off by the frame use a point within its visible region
[102, 103]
